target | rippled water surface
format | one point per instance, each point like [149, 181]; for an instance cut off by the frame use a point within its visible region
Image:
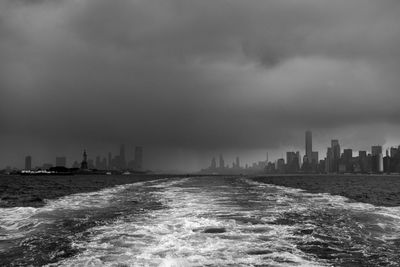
[207, 221]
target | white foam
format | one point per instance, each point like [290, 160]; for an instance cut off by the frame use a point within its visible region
[19, 221]
[175, 236]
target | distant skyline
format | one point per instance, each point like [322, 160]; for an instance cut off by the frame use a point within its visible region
[191, 79]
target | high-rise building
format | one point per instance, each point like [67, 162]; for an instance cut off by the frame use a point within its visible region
[292, 161]
[377, 159]
[393, 152]
[348, 159]
[28, 163]
[298, 157]
[329, 160]
[237, 162]
[139, 157]
[280, 165]
[61, 161]
[363, 161]
[376, 150]
[221, 161]
[309, 146]
[213, 165]
[314, 157]
[335, 155]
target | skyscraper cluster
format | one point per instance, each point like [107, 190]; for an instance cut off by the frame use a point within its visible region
[119, 162]
[336, 161]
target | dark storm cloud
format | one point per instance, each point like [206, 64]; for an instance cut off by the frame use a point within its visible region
[197, 75]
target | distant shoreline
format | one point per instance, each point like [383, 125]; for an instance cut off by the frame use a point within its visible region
[380, 190]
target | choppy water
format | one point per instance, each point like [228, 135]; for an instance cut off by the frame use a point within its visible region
[209, 221]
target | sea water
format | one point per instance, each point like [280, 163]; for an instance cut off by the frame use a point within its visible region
[200, 221]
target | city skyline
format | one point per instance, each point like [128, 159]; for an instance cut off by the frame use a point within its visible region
[336, 160]
[122, 160]
[72, 161]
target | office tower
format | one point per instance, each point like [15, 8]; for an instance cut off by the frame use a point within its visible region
[292, 161]
[386, 162]
[298, 157]
[61, 161]
[213, 165]
[376, 159]
[335, 155]
[309, 146]
[280, 165]
[393, 152]
[329, 160]
[122, 157]
[84, 163]
[380, 163]
[314, 157]
[376, 150]
[363, 161]
[139, 157]
[221, 161]
[237, 162]
[28, 163]
[348, 159]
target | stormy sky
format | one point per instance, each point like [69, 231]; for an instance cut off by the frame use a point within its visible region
[189, 79]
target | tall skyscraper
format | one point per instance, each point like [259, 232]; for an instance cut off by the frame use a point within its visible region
[377, 158]
[309, 146]
[28, 163]
[213, 165]
[363, 161]
[376, 150]
[335, 155]
[237, 162]
[292, 161]
[221, 161]
[348, 159]
[329, 160]
[314, 157]
[139, 157]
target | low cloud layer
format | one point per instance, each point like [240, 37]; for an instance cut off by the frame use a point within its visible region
[188, 78]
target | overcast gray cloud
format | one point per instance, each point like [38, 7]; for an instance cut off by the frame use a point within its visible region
[188, 78]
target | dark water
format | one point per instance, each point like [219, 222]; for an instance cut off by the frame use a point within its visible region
[208, 221]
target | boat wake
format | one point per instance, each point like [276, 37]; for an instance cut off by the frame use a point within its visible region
[208, 221]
